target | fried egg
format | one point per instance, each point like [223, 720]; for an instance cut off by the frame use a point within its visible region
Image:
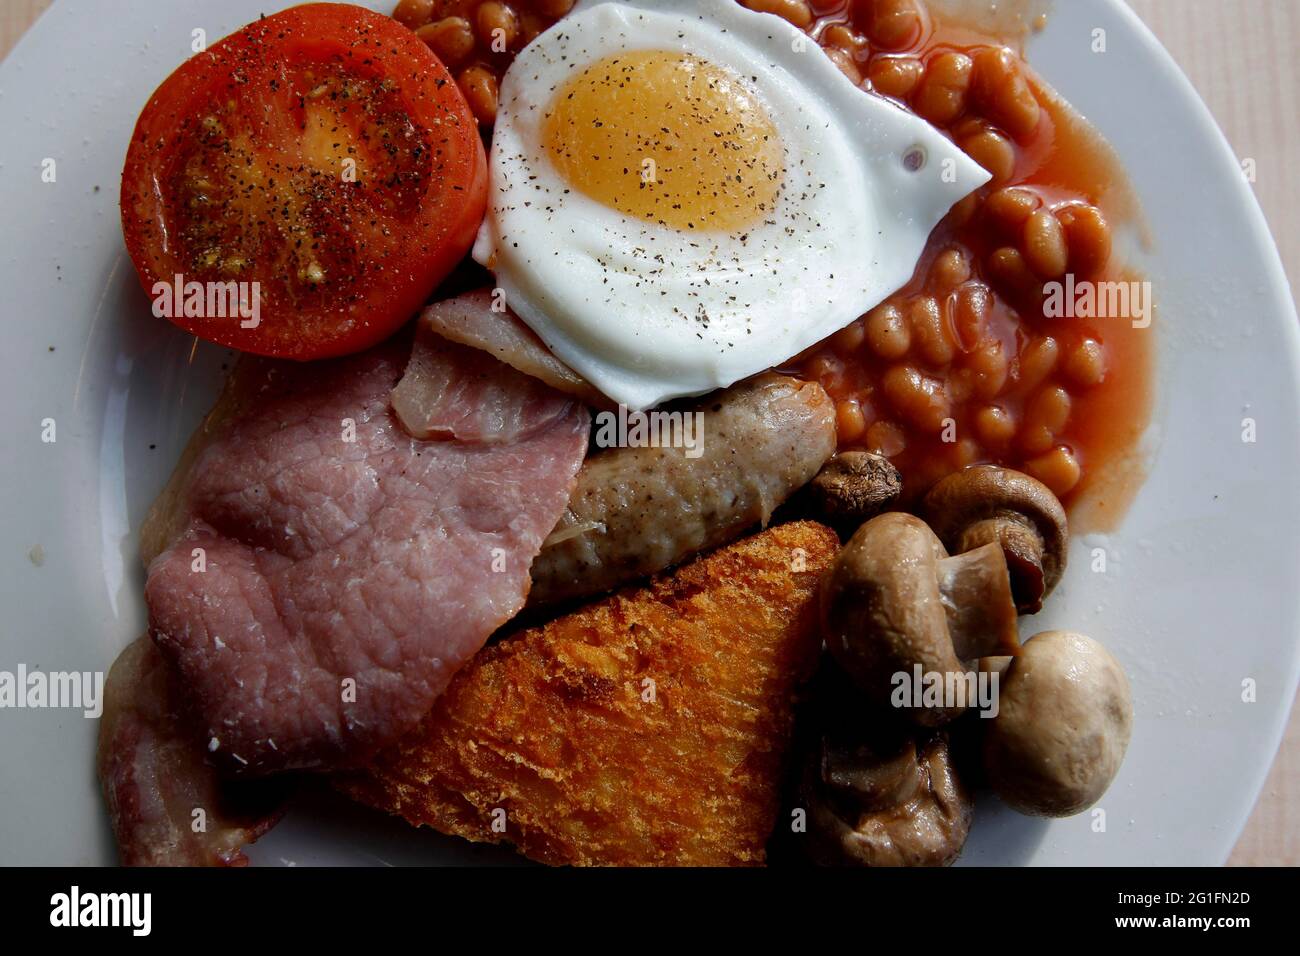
[686, 192]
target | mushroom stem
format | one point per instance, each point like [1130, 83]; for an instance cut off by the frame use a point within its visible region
[1023, 547]
[906, 808]
[976, 593]
[895, 600]
[983, 504]
[874, 780]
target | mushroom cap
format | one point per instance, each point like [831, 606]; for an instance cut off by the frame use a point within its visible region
[894, 599]
[881, 607]
[986, 503]
[1065, 716]
[854, 487]
[885, 803]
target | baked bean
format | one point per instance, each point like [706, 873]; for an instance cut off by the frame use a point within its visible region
[829, 371]
[1002, 93]
[795, 11]
[451, 39]
[941, 95]
[990, 367]
[930, 330]
[961, 385]
[498, 26]
[1086, 363]
[886, 438]
[965, 451]
[950, 269]
[963, 210]
[995, 426]
[923, 474]
[1010, 206]
[845, 63]
[842, 38]
[888, 334]
[1050, 407]
[1007, 267]
[479, 84]
[1058, 469]
[553, 8]
[1088, 236]
[1035, 439]
[528, 31]
[894, 76]
[413, 14]
[849, 339]
[972, 306]
[1044, 244]
[920, 399]
[993, 151]
[894, 23]
[1045, 418]
[1037, 361]
[850, 423]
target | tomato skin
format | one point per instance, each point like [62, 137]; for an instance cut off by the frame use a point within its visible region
[235, 172]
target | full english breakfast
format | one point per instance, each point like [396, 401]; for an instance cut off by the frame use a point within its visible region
[654, 427]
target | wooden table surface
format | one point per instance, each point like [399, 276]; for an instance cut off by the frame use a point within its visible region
[1240, 55]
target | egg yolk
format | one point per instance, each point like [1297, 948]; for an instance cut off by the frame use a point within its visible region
[667, 138]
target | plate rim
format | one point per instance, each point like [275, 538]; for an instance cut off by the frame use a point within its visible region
[1279, 284]
[1271, 267]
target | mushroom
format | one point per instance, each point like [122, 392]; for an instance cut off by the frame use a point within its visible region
[854, 487]
[894, 600]
[894, 802]
[1064, 721]
[987, 503]
[995, 665]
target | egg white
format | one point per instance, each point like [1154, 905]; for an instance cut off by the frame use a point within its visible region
[647, 313]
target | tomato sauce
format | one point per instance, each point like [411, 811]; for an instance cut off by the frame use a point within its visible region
[1071, 414]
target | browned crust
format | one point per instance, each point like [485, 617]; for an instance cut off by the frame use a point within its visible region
[552, 726]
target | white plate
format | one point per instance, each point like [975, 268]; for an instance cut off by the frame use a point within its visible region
[1201, 590]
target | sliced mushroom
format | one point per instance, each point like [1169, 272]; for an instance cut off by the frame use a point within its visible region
[894, 802]
[987, 504]
[1064, 720]
[894, 599]
[854, 487]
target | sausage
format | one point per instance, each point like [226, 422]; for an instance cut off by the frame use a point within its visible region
[638, 510]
